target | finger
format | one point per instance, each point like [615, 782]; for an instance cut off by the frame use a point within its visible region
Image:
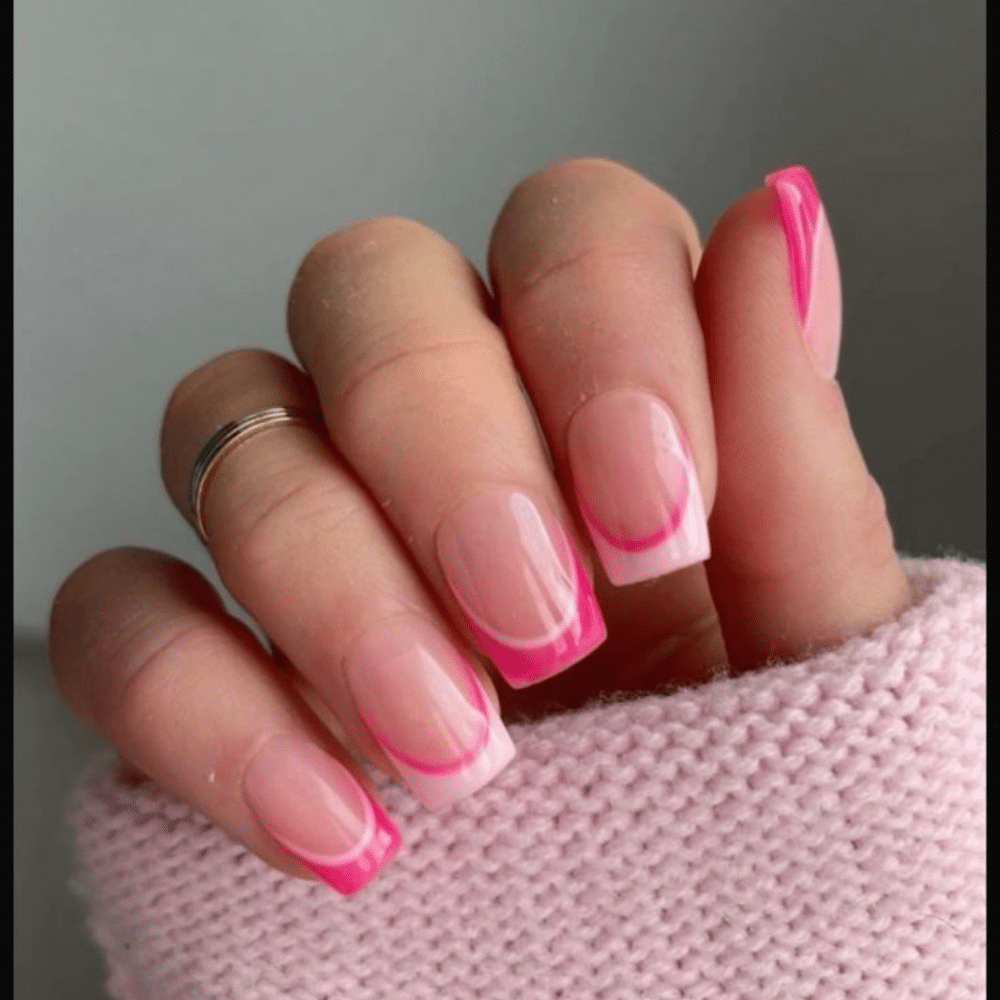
[300, 545]
[803, 551]
[142, 648]
[420, 396]
[592, 267]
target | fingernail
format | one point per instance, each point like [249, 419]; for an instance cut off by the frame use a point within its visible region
[637, 486]
[812, 261]
[316, 809]
[521, 584]
[423, 704]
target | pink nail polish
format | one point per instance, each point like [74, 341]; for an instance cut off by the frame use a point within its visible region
[637, 486]
[423, 704]
[316, 809]
[812, 261]
[517, 577]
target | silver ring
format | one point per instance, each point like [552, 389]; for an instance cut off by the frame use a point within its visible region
[226, 438]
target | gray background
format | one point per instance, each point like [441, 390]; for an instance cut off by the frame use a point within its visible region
[173, 162]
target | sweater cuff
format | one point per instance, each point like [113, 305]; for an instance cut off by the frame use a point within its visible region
[814, 829]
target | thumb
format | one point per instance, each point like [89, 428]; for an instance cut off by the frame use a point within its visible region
[803, 553]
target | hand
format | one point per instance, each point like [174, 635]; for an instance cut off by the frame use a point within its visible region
[410, 524]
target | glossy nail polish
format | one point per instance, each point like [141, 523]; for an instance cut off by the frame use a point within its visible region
[422, 702]
[812, 263]
[637, 486]
[318, 811]
[517, 577]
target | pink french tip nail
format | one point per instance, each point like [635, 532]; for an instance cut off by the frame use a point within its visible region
[318, 811]
[637, 486]
[521, 584]
[424, 705]
[812, 261]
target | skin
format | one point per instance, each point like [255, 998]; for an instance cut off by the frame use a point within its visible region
[597, 280]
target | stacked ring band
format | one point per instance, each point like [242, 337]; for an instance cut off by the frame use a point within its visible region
[226, 438]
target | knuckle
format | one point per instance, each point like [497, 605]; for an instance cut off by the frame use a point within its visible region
[71, 626]
[79, 582]
[614, 181]
[592, 170]
[77, 608]
[205, 398]
[387, 233]
[338, 276]
[110, 611]
[212, 377]
[160, 668]
[572, 209]
[413, 375]
[377, 290]
[257, 542]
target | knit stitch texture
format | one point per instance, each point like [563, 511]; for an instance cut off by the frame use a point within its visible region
[814, 830]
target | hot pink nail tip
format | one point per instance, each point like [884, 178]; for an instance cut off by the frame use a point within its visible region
[801, 218]
[353, 870]
[522, 666]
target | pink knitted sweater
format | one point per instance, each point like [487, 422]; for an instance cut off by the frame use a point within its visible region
[814, 829]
